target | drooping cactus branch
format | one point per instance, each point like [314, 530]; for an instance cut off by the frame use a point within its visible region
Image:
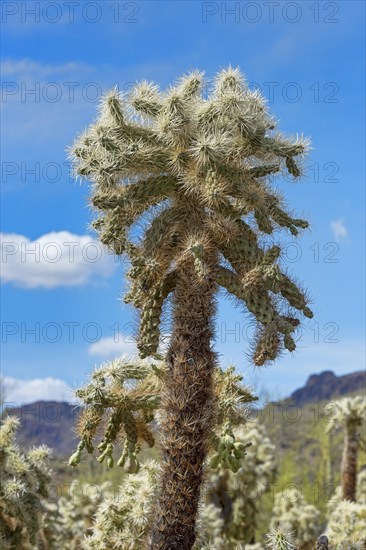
[122, 401]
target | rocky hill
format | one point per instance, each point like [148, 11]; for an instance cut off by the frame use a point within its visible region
[48, 422]
[327, 386]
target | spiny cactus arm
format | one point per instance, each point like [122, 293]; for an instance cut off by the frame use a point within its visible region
[146, 99]
[137, 158]
[232, 396]
[260, 269]
[232, 399]
[296, 297]
[243, 252]
[190, 85]
[173, 123]
[158, 237]
[106, 161]
[156, 255]
[151, 311]
[259, 303]
[88, 423]
[112, 232]
[280, 539]
[263, 170]
[244, 194]
[115, 118]
[127, 407]
[137, 197]
[268, 344]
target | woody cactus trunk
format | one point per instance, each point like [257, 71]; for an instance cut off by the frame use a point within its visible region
[350, 413]
[196, 169]
[349, 462]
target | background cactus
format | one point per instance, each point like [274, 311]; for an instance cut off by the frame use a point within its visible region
[346, 526]
[292, 513]
[69, 518]
[24, 477]
[236, 495]
[199, 164]
[350, 412]
[122, 520]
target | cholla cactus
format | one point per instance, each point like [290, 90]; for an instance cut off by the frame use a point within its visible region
[128, 394]
[346, 526]
[199, 165]
[292, 513]
[258, 471]
[68, 519]
[349, 412]
[238, 496]
[361, 485]
[24, 477]
[121, 521]
[211, 526]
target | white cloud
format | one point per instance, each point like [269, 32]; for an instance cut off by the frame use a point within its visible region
[121, 344]
[18, 391]
[339, 229]
[113, 346]
[54, 259]
[23, 69]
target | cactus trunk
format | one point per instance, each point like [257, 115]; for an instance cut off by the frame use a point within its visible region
[187, 412]
[349, 463]
[322, 543]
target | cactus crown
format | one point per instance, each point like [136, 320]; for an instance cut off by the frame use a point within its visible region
[196, 165]
[349, 411]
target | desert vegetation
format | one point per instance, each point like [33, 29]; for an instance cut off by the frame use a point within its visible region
[182, 185]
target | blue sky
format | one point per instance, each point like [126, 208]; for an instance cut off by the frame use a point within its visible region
[61, 307]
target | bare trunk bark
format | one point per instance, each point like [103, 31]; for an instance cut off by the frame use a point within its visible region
[187, 412]
[349, 463]
[322, 543]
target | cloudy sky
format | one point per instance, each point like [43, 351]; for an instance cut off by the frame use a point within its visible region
[62, 312]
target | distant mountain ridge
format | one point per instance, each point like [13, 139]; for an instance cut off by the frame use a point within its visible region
[326, 386]
[53, 423]
[50, 423]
